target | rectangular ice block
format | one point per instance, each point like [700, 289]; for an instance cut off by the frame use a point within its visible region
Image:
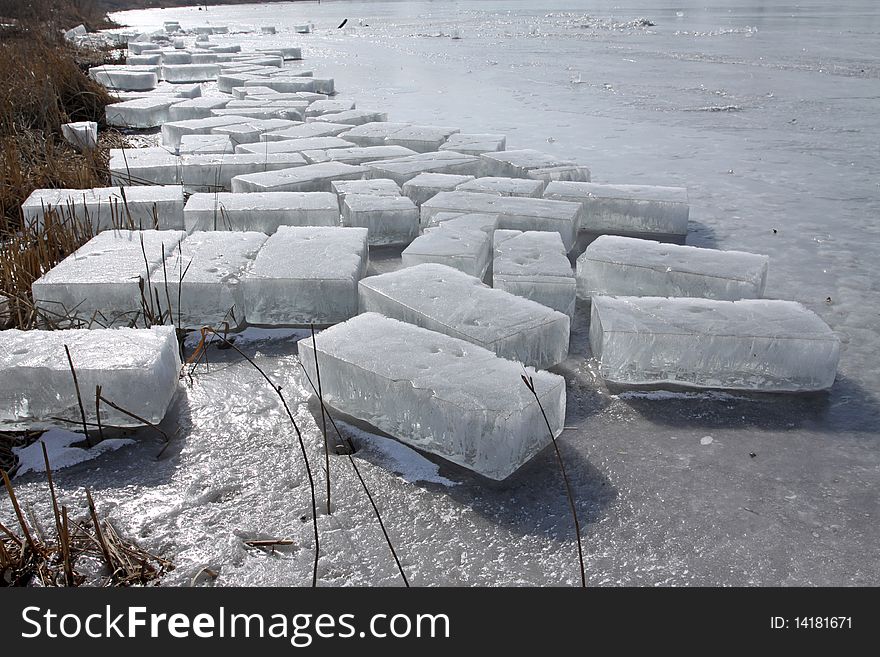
[202, 173]
[205, 145]
[406, 168]
[358, 154]
[144, 166]
[260, 211]
[461, 246]
[294, 145]
[389, 219]
[309, 178]
[436, 393]
[373, 134]
[534, 265]
[527, 163]
[174, 130]
[137, 369]
[634, 210]
[625, 266]
[426, 185]
[505, 187]
[448, 301]
[140, 112]
[306, 131]
[474, 144]
[752, 344]
[306, 275]
[196, 108]
[354, 117]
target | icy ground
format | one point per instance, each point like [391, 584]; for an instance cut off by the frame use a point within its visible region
[768, 115]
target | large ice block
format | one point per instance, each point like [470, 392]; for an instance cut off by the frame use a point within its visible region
[294, 145]
[323, 107]
[624, 266]
[634, 210]
[516, 213]
[126, 80]
[205, 145]
[139, 166]
[195, 108]
[109, 207]
[260, 211]
[216, 172]
[100, 280]
[751, 344]
[436, 393]
[249, 132]
[306, 131]
[204, 278]
[505, 186]
[353, 117]
[527, 163]
[309, 178]
[448, 301]
[358, 154]
[462, 246]
[474, 144]
[174, 130]
[373, 134]
[389, 219]
[141, 112]
[421, 138]
[488, 223]
[427, 185]
[406, 168]
[306, 275]
[534, 265]
[190, 72]
[137, 369]
[375, 186]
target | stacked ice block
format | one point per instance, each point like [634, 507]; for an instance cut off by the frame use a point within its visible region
[260, 211]
[389, 219]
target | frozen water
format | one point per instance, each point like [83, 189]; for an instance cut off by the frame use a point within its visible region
[137, 369]
[190, 72]
[260, 211]
[173, 58]
[126, 80]
[188, 90]
[624, 266]
[426, 185]
[358, 154]
[389, 219]
[534, 265]
[306, 275]
[82, 135]
[321, 107]
[528, 163]
[353, 117]
[636, 210]
[374, 134]
[100, 280]
[488, 223]
[515, 213]
[216, 172]
[462, 246]
[249, 132]
[752, 344]
[471, 144]
[204, 278]
[306, 131]
[263, 111]
[138, 166]
[505, 186]
[196, 108]
[375, 186]
[109, 207]
[309, 178]
[421, 138]
[173, 131]
[205, 145]
[294, 145]
[406, 168]
[437, 393]
[144, 60]
[141, 112]
[448, 301]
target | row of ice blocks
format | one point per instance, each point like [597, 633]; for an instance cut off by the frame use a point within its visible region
[625, 266]
[437, 393]
[297, 276]
[137, 369]
[108, 207]
[751, 344]
[631, 210]
[449, 301]
[260, 211]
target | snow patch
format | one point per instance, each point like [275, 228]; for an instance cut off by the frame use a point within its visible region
[61, 454]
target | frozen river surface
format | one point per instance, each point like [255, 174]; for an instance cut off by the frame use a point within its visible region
[767, 113]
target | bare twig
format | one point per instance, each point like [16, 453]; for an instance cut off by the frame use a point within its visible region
[323, 421]
[82, 410]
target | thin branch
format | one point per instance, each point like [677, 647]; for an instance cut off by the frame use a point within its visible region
[82, 410]
[323, 421]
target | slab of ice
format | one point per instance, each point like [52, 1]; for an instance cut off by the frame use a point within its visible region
[624, 266]
[137, 369]
[82, 135]
[527, 163]
[144, 60]
[126, 80]
[321, 107]
[389, 219]
[353, 117]
[173, 58]
[188, 90]
[140, 112]
[100, 279]
[309, 178]
[307, 130]
[436, 393]
[249, 132]
[216, 172]
[287, 53]
[462, 246]
[752, 344]
[260, 211]
[138, 166]
[426, 185]
[635, 210]
[173, 131]
[205, 145]
[294, 84]
[474, 144]
[228, 80]
[505, 187]
[204, 277]
[190, 72]
[534, 265]
[516, 213]
[103, 208]
[488, 223]
[196, 108]
[358, 154]
[373, 134]
[448, 301]
[406, 168]
[306, 275]
[375, 186]
[204, 58]
[293, 114]
[294, 145]
[240, 93]
[421, 138]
